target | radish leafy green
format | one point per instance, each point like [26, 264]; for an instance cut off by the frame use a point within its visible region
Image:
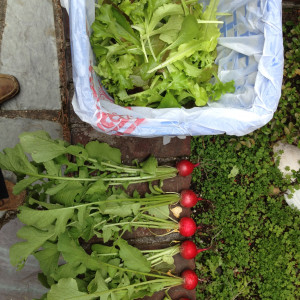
[83, 204]
[97, 166]
[62, 213]
[74, 193]
[158, 53]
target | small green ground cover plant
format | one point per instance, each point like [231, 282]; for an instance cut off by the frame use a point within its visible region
[255, 233]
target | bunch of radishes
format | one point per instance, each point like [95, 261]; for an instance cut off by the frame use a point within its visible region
[101, 170]
[188, 227]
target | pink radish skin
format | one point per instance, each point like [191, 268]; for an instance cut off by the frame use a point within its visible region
[185, 167]
[190, 279]
[187, 226]
[188, 250]
[189, 198]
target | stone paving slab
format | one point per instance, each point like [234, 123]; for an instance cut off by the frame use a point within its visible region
[14, 127]
[28, 51]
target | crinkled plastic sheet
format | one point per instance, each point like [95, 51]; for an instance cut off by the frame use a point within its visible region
[250, 52]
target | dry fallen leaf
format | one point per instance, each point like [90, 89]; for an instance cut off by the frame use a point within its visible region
[176, 211]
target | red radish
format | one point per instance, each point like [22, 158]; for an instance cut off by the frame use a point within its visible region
[185, 167]
[187, 226]
[190, 279]
[189, 198]
[188, 250]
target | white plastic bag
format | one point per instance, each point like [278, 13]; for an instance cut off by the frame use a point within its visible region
[250, 52]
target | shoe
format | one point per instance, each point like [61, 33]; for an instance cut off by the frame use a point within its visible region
[9, 87]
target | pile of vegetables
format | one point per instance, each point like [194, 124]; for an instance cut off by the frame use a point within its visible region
[77, 192]
[158, 53]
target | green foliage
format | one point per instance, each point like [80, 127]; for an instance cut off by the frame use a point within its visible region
[63, 212]
[291, 47]
[257, 247]
[107, 273]
[104, 218]
[255, 235]
[158, 53]
[97, 166]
